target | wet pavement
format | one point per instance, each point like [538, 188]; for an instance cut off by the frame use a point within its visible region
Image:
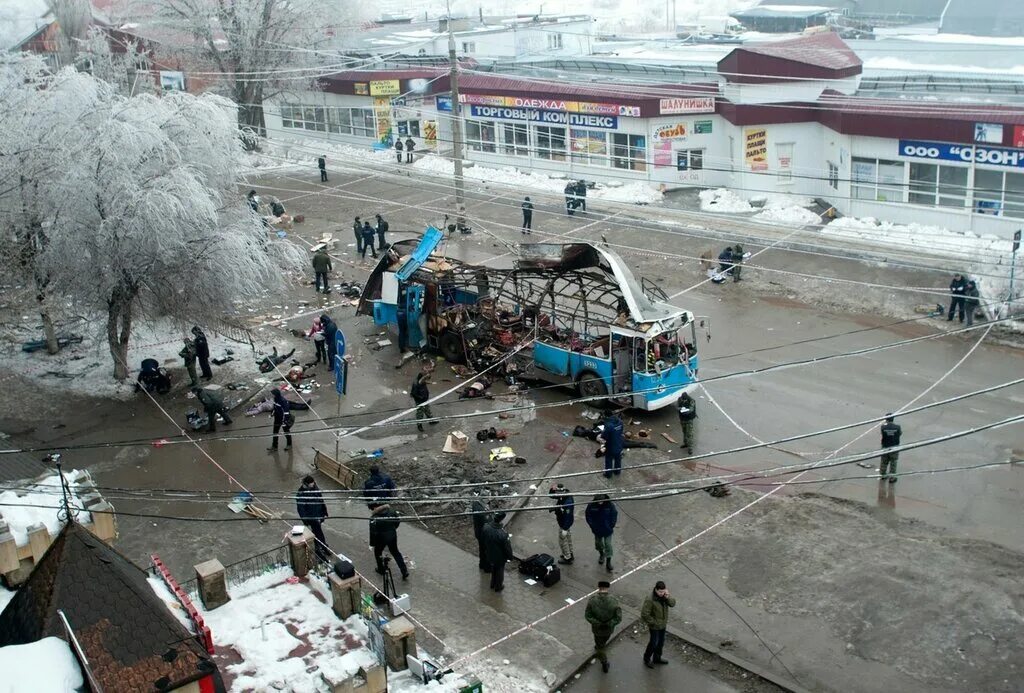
[828, 581]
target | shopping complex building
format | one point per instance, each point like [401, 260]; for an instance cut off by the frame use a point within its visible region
[788, 116]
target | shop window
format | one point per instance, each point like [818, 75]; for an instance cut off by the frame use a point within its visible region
[833, 176]
[629, 152]
[550, 142]
[988, 191]
[469, 46]
[935, 184]
[363, 123]
[515, 139]
[554, 42]
[287, 120]
[408, 128]
[689, 159]
[480, 136]
[878, 180]
[924, 179]
[1013, 205]
[590, 147]
[952, 186]
[784, 155]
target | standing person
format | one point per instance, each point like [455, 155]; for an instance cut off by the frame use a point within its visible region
[603, 614]
[253, 200]
[972, 299]
[321, 163]
[687, 414]
[357, 227]
[316, 333]
[212, 405]
[570, 197]
[480, 519]
[497, 550]
[321, 266]
[957, 287]
[283, 418]
[891, 433]
[527, 215]
[737, 262]
[725, 261]
[188, 354]
[368, 232]
[202, 351]
[330, 337]
[564, 510]
[378, 486]
[382, 229]
[581, 195]
[654, 614]
[602, 515]
[613, 436]
[384, 535]
[398, 149]
[420, 394]
[410, 145]
[311, 509]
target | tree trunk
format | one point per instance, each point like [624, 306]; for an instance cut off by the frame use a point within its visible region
[49, 333]
[119, 328]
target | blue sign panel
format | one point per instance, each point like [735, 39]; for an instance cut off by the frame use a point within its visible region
[340, 367]
[964, 153]
[444, 103]
[582, 120]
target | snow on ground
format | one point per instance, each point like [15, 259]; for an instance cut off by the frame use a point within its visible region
[87, 368]
[6, 596]
[43, 666]
[167, 597]
[724, 201]
[15, 510]
[788, 216]
[283, 153]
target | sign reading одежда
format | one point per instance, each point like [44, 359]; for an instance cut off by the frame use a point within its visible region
[542, 104]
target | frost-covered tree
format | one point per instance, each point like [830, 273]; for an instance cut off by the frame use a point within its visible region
[141, 212]
[261, 47]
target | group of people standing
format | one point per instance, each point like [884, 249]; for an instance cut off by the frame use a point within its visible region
[364, 233]
[964, 298]
[409, 146]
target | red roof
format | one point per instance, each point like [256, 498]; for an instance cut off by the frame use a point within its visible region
[817, 56]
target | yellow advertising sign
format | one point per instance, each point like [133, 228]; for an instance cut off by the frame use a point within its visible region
[676, 131]
[430, 132]
[385, 87]
[382, 109]
[755, 151]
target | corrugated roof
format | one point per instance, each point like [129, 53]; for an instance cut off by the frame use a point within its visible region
[823, 49]
[129, 637]
[833, 101]
[488, 83]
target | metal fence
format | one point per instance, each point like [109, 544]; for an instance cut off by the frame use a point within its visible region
[245, 569]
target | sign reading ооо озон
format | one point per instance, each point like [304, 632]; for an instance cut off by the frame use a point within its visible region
[585, 120]
[943, 151]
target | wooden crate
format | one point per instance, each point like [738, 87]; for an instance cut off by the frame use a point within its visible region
[327, 465]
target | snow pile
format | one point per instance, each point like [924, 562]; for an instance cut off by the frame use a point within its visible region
[165, 595]
[16, 510]
[788, 216]
[43, 666]
[723, 200]
[6, 596]
[964, 245]
[283, 153]
[635, 193]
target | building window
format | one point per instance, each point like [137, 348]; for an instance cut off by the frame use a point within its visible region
[784, 155]
[589, 147]
[998, 193]
[515, 139]
[554, 42]
[935, 184]
[480, 136]
[339, 121]
[689, 159]
[550, 142]
[629, 152]
[878, 180]
[469, 46]
[833, 176]
[408, 128]
[363, 123]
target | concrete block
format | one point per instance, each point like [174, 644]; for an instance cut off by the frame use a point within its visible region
[8, 551]
[376, 679]
[346, 595]
[104, 522]
[213, 588]
[39, 540]
[399, 641]
[301, 552]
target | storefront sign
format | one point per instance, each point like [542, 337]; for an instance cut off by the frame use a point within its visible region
[690, 104]
[992, 156]
[384, 87]
[430, 132]
[1018, 135]
[989, 133]
[382, 109]
[702, 127]
[361, 89]
[444, 103]
[676, 131]
[755, 151]
[608, 109]
[554, 117]
[663, 153]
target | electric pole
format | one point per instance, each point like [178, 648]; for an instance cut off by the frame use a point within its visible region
[460, 191]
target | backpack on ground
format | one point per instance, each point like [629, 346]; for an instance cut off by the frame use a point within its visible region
[541, 566]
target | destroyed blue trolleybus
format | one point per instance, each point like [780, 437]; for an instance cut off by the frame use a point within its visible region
[572, 313]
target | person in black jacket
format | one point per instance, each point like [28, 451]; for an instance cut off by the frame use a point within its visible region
[330, 337]
[309, 502]
[382, 228]
[368, 240]
[357, 227]
[564, 511]
[972, 299]
[498, 549]
[283, 418]
[378, 487]
[687, 415]
[957, 289]
[891, 433]
[202, 352]
[480, 520]
[384, 535]
[321, 163]
[420, 394]
[527, 215]
[410, 145]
